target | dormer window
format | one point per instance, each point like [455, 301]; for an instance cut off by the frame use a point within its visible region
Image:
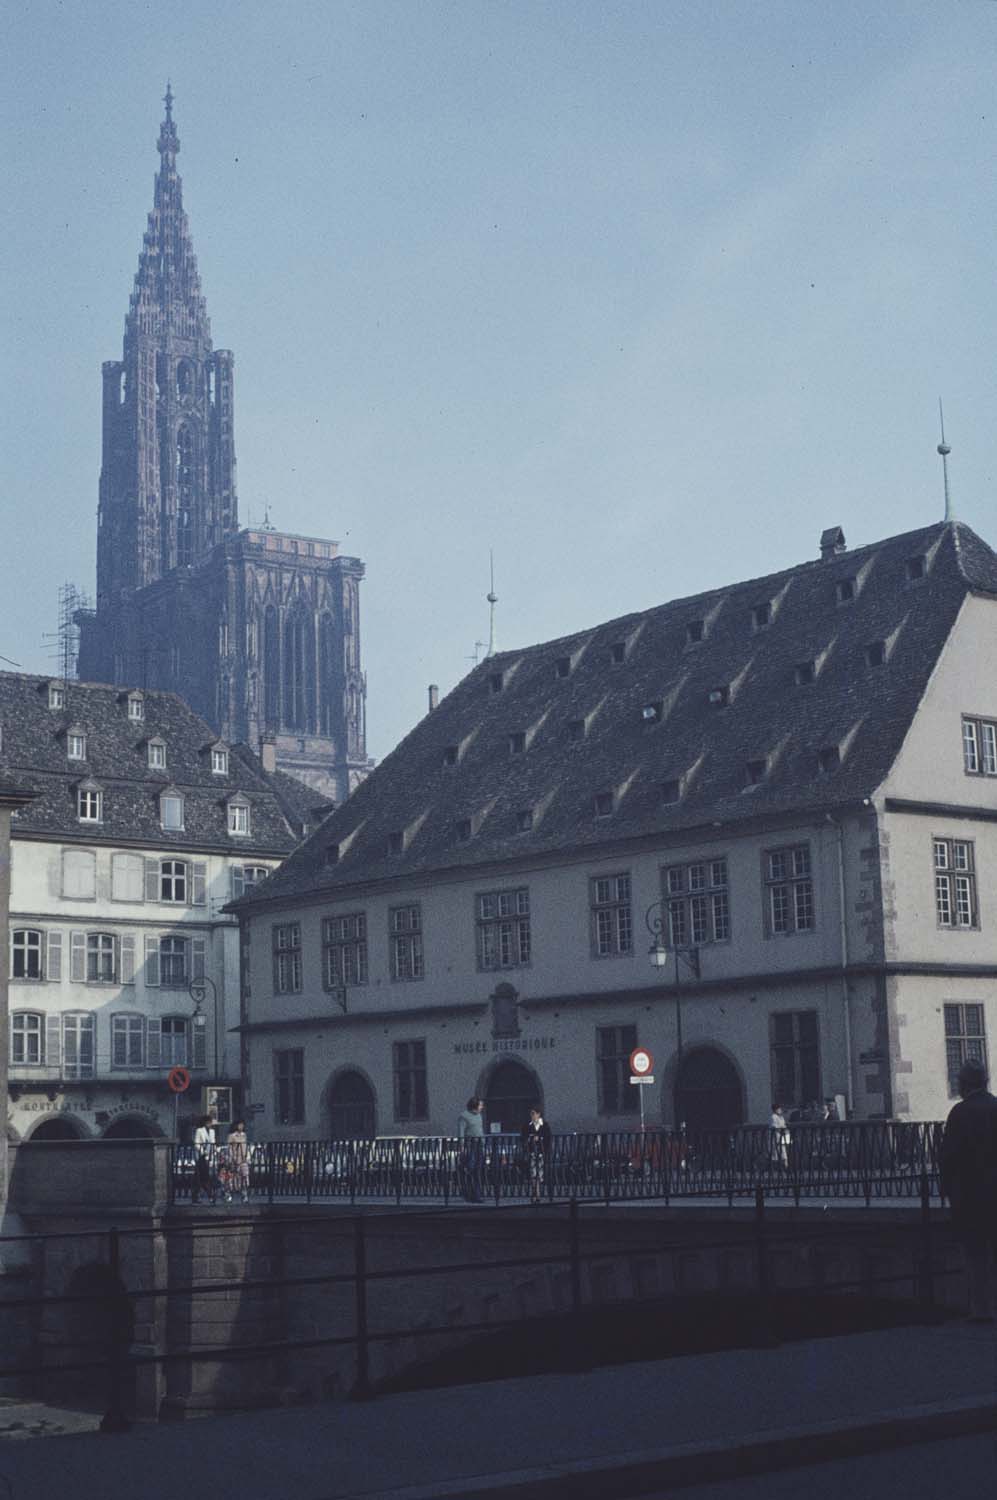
[575, 729]
[845, 590]
[720, 695]
[238, 817]
[157, 755]
[517, 742]
[875, 653]
[671, 790]
[396, 843]
[451, 755]
[603, 804]
[464, 829]
[694, 632]
[136, 707]
[805, 673]
[76, 745]
[917, 568]
[564, 666]
[651, 712]
[496, 682]
[332, 854]
[755, 771]
[219, 762]
[56, 695]
[829, 758]
[171, 812]
[761, 615]
[618, 652]
[524, 819]
[89, 803]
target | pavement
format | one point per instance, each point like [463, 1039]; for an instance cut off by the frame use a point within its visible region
[613, 1432]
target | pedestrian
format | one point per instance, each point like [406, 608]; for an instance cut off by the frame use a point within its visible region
[535, 1140]
[968, 1171]
[779, 1143]
[831, 1115]
[238, 1159]
[471, 1135]
[204, 1159]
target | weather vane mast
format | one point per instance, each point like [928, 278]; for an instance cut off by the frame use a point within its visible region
[492, 601]
[944, 450]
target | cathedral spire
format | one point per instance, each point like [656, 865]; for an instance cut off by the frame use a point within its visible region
[169, 140]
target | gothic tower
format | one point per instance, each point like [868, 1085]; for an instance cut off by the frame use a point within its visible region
[259, 631]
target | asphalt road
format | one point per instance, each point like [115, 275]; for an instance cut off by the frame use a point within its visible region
[942, 1470]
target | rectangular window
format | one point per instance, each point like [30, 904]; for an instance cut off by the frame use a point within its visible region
[611, 915]
[697, 903]
[157, 755]
[88, 806]
[617, 1096]
[173, 880]
[405, 936]
[289, 1086]
[979, 747]
[244, 877]
[965, 1038]
[790, 889]
[174, 969]
[409, 1068]
[795, 1055]
[127, 877]
[26, 954]
[171, 813]
[955, 883]
[79, 874]
[344, 944]
[287, 958]
[238, 817]
[503, 923]
[102, 956]
[174, 1051]
[127, 1042]
[219, 762]
[76, 746]
[77, 1046]
[26, 1032]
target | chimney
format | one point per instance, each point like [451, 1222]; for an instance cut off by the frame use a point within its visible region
[268, 753]
[832, 541]
[434, 696]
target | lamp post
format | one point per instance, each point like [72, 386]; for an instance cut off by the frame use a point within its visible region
[657, 922]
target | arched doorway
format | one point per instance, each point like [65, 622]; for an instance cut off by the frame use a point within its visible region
[352, 1107]
[509, 1092]
[129, 1128]
[708, 1092]
[57, 1129]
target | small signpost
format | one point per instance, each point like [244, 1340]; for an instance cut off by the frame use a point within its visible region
[178, 1080]
[641, 1073]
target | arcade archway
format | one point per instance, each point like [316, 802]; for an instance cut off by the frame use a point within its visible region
[351, 1106]
[130, 1128]
[56, 1129]
[509, 1091]
[709, 1094]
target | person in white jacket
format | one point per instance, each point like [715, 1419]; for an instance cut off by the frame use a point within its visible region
[204, 1159]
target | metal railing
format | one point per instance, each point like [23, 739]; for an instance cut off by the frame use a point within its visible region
[880, 1159]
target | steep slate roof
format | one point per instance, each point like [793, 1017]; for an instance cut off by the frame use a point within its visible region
[861, 709]
[33, 753]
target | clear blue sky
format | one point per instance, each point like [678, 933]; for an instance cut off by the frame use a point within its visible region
[644, 295]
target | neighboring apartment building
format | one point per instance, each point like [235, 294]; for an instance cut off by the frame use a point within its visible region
[142, 826]
[794, 778]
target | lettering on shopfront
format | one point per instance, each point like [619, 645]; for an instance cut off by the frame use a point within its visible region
[517, 1044]
[70, 1107]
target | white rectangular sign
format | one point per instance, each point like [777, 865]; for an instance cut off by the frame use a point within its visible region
[645, 1078]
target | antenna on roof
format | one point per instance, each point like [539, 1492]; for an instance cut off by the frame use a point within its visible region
[479, 646]
[492, 601]
[944, 450]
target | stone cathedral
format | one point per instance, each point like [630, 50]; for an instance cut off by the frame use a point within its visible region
[258, 630]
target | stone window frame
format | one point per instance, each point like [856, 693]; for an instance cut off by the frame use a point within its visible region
[965, 1031]
[503, 929]
[25, 1034]
[344, 950]
[788, 884]
[289, 1085]
[979, 745]
[615, 1093]
[696, 895]
[794, 1047]
[611, 927]
[956, 887]
[410, 1079]
[405, 943]
[287, 965]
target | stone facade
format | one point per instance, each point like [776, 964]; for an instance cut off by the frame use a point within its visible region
[259, 630]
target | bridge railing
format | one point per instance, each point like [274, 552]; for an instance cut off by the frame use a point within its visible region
[861, 1159]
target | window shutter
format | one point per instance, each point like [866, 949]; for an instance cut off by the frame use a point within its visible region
[197, 956]
[53, 968]
[238, 883]
[152, 961]
[53, 1043]
[153, 1042]
[78, 957]
[127, 958]
[199, 1028]
[152, 880]
[197, 875]
[119, 1041]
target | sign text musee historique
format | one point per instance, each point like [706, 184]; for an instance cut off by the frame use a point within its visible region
[508, 1044]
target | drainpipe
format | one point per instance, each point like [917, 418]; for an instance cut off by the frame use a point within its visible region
[843, 948]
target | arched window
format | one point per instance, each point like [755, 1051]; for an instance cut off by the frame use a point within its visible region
[326, 672]
[27, 1039]
[299, 670]
[271, 669]
[185, 379]
[185, 497]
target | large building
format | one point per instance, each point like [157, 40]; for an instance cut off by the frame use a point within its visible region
[258, 629]
[790, 784]
[141, 825]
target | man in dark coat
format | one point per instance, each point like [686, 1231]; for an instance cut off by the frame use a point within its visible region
[969, 1180]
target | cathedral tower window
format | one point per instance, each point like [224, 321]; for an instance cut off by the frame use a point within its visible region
[185, 497]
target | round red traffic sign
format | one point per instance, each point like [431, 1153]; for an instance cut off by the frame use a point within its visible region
[178, 1080]
[641, 1062]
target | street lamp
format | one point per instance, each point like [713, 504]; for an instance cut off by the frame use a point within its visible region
[657, 922]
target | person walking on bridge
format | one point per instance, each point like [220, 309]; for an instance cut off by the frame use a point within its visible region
[968, 1169]
[471, 1136]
